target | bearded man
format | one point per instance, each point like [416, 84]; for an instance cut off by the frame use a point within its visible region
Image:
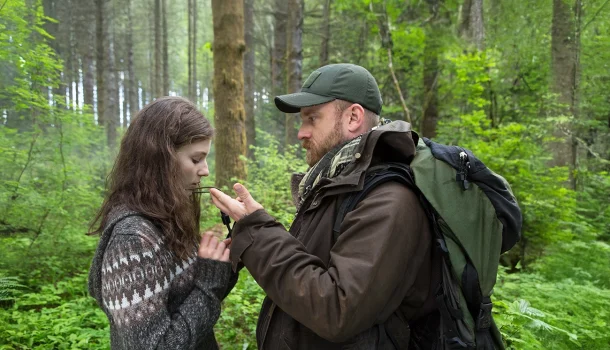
[371, 287]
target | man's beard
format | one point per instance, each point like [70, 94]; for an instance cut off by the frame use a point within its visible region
[315, 152]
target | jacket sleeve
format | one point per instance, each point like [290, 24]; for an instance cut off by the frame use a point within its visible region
[373, 265]
[135, 293]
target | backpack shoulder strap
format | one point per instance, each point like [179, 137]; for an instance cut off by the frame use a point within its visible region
[375, 176]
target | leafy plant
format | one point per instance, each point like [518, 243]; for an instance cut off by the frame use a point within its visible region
[10, 288]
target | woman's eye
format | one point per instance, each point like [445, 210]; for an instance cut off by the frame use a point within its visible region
[196, 161]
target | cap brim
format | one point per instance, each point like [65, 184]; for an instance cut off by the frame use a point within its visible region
[292, 103]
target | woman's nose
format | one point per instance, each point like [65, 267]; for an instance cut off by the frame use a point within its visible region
[203, 170]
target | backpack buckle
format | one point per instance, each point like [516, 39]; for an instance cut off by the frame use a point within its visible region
[484, 318]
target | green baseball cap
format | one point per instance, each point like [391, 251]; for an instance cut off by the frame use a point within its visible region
[343, 81]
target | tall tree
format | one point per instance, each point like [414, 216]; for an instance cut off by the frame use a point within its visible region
[383, 23]
[158, 75]
[86, 43]
[100, 59]
[472, 27]
[325, 33]
[565, 47]
[295, 62]
[132, 90]
[152, 73]
[117, 21]
[430, 112]
[54, 10]
[192, 50]
[165, 48]
[278, 58]
[229, 47]
[72, 64]
[249, 69]
[110, 115]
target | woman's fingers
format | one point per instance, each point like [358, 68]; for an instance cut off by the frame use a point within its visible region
[218, 251]
[211, 248]
[203, 245]
[225, 255]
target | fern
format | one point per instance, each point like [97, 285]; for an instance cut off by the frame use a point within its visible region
[10, 288]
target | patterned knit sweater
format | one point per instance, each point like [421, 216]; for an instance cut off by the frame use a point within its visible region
[154, 300]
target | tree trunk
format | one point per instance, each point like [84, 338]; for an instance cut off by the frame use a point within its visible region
[278, 68]
[132, 89]
[429, 118]
[278, 58]
[111, 115]
[195, 15]
[151, 58]
[165, 52]
[192, 50]
[52, 10]
[229, 47]
[472, 26]
[87, 50]
[158, 88]
[385, 36]
[189, 54]
[100, 61]
[564, 67]
[295, 63]
[325, 33]
[116, 21]
[249, 68]
[74, 65]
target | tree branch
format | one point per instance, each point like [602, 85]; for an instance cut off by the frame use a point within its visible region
[1, 7]
[596, 14]
[386, 40]
[584, 144]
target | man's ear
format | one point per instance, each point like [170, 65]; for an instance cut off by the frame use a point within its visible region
[356, 123]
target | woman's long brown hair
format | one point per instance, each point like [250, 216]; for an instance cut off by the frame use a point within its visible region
[145, 176]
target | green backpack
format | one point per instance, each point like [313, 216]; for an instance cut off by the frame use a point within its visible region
[475, 218]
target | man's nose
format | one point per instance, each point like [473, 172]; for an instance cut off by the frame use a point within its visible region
[303, 133]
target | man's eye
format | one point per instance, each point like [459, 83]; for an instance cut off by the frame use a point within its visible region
[196, 161]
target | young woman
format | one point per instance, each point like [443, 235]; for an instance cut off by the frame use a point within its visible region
[159, 282]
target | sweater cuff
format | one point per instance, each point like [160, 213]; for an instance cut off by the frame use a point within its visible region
[242, 236]
[213, 275]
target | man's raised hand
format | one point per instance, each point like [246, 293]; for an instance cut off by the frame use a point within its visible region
[235, 208]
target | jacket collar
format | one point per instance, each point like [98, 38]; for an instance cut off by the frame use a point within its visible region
[393, 142]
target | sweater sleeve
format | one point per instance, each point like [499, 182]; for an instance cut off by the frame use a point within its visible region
[136, 278]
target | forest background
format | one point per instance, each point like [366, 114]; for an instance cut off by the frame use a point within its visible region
[525, 84]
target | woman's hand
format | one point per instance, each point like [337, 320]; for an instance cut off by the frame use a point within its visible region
[211, 248]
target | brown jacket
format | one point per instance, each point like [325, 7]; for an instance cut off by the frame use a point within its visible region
[379, 276]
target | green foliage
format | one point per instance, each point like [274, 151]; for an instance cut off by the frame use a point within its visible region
[495, 102]
[269, 177]
[593, 200]
[10, 288]
[236, 328]
[60, 316]
[568, 313]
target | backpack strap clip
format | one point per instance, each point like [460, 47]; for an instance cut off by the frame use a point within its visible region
[483, 326]
[461, 176]
[484, 319]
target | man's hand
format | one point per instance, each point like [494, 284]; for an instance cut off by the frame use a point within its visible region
[235, 208]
